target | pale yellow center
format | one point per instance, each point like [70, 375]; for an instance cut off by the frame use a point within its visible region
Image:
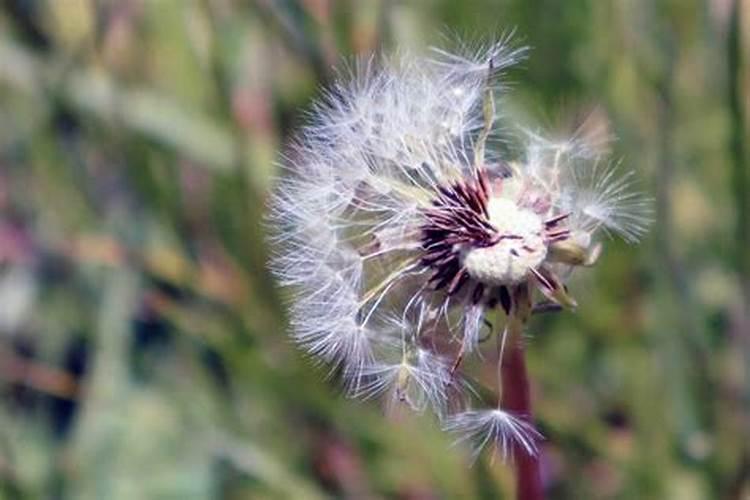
[509, 260]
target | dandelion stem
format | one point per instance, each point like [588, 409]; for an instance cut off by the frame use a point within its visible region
[515, 395]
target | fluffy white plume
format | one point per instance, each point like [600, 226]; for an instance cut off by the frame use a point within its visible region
[496, 428]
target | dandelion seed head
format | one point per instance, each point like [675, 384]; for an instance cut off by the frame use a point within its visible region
[398, 224]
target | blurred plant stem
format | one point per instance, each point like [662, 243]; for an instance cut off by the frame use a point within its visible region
[683, 354]
[247, 456]
[43, 378]
[740, 189]
[108, 387]
[294, 34]
[90, 90]
[246, 165]
[740, 183]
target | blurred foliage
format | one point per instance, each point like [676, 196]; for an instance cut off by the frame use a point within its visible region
[142, 344]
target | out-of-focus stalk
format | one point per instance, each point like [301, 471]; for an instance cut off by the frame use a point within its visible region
[741, 191]
[737, 152]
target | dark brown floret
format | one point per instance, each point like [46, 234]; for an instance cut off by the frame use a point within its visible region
[458, 219]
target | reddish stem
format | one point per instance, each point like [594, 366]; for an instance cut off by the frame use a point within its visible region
[517, 400]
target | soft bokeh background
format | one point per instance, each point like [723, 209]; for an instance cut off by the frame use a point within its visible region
[142, 344]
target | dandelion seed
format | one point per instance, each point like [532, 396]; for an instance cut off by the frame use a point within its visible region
[418, 380]
[497, 428]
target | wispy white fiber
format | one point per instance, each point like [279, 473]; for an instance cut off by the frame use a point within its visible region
[496, 428]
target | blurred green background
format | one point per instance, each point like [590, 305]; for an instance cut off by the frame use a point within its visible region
[143, 352]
